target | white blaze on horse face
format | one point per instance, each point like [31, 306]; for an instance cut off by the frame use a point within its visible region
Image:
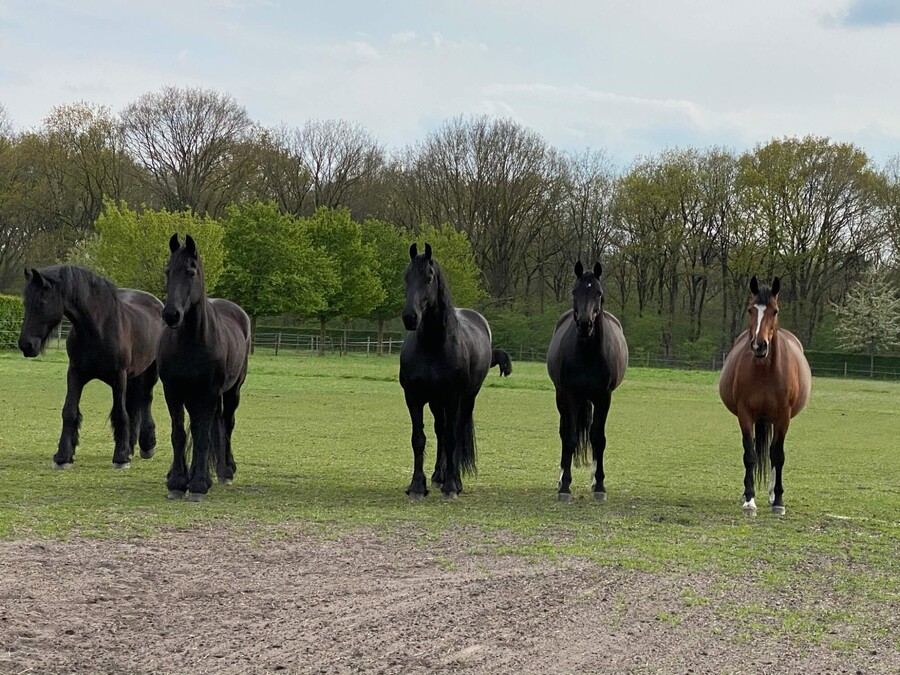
[760, 311]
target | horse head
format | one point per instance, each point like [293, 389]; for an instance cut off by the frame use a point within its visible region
[43, 311]
[422, 290]
[587, 300]
[185, 286]
[763, 311]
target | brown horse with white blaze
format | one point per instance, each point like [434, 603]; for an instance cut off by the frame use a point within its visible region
[765, 381]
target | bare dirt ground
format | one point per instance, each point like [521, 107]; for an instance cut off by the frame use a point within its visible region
[218, 601]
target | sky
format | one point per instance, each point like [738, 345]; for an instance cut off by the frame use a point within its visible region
[631, 77]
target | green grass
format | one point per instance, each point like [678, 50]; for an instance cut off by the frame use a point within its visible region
[325, 443]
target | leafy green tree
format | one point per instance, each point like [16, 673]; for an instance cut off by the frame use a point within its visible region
[454, 253]
[391, 246]
[869, 319]
[358, 289]
[132, 248]
[270, 265]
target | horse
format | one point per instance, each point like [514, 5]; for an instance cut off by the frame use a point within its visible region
[586, 361]
[765, 382]
[444, 360]
[203, 358]
[113, 339]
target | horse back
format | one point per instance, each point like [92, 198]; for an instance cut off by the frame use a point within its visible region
[140, 328]
[234, 326]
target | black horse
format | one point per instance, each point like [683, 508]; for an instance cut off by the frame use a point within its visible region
[202, 364]
[443, 362]
[113, 338]
[587, 359]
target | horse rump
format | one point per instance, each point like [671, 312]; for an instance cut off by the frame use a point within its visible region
[501, 358]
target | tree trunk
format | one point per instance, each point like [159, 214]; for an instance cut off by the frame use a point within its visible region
[321, 336]
[253, 320]
[379, 349]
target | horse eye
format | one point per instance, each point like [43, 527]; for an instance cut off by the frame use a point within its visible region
[192, 273]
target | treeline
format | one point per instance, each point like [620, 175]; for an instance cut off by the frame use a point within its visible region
[679, 232]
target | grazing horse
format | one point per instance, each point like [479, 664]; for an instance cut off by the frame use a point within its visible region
[202, 364]
[765, 381]
[586, 360]
[443, 362]
[113, 338]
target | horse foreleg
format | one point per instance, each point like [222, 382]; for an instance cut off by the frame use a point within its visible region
[417, 489]
[452, 480]
[748, 501]
[568, 435]
[147, 439]
[598, 444]
[120, 424]
[204, 423]
[177, 478]
[71, 421]
[133, 395]
[440, 466]
[776, 489]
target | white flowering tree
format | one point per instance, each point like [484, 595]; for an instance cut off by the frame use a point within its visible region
[869, 319]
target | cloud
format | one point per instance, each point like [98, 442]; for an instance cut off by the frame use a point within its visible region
[403, 37]
[867, 14]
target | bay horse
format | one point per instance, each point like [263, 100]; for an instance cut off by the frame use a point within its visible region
[586, 361]
[202, 364]
[444, 360]
[113, 339]
[765, 381]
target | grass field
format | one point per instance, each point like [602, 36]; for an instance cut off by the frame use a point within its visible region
[325, 443]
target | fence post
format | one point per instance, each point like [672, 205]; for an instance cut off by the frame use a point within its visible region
[845, 369]
[390, 345]
[368, 344]
[277, 342]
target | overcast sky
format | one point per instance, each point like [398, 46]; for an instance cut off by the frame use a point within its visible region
[629, 76]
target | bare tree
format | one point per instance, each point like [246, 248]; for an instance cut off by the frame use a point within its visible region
[194, 146]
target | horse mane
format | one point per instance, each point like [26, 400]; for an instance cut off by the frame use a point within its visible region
[764, 297]
[83, 288]
[445, 300]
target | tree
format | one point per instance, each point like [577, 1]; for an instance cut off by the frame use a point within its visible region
[132, 248]
[270, 265]
[869, 319]
[195, 146]
[358, 290]
[391, 247]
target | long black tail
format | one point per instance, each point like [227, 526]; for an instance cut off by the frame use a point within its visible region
[501, 358]
[583, 419]
[465, 446]
[215, 458]
[763, 433]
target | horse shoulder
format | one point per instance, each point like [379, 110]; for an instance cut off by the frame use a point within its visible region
[563, 318]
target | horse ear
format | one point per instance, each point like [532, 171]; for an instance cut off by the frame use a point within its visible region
[173, 243]
[190, 246]
[427, 251]
[754, 285]
[413, 251]
[39, 278]
[579, 269]
[776, 286]
[598, 269]
[27, 274]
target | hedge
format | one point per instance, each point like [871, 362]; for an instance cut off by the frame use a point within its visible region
[11, 314]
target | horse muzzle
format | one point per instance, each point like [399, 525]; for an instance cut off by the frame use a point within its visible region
[30, 347]
[410, 320]
[760, 349]
[172, 317]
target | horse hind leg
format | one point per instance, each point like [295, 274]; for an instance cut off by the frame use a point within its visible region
[776, 489]
[230, 401]
[598, 445]
[440, 467]
[147, 438]
[568, 435]
[133, 395]
[119, 418]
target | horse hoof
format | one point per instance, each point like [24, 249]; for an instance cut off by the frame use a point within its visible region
[175, 494]
[147, 454]
[416, 496]
[62, 467]
[196, 497]
[564, 497]
[777, 510]
[121, 465]
[600, 496]
[225, 481]
[450, 496]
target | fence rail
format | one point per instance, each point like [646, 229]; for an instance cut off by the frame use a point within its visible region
[299, 342]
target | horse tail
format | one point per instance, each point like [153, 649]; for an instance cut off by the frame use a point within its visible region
[215, 458]
[583, 418]
[501, 358]
[764, 431]
[465, 445]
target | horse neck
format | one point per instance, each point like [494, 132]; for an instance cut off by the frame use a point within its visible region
[198, 321]
[89, 303]
[439, 323]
